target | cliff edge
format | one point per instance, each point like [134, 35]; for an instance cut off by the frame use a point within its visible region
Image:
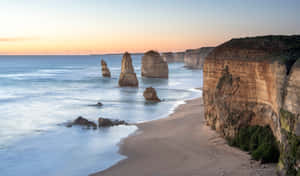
[255, 82]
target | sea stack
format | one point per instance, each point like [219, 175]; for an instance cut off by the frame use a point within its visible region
[153, 65]
[105, 70]
[127, 76]
[194, 58]
[150, 95]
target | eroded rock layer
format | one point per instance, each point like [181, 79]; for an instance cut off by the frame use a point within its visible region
[153, 65]
[194, 58]
[170, 57]
[105, 70]
[254, 81]
[127, 77]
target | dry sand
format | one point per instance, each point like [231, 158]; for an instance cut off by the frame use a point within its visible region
[182, 145]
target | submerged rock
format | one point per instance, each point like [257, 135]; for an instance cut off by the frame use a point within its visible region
[127, 77]
[83, 122]
[105, 70]
[103, 122]
[150, 95]
[153, 65]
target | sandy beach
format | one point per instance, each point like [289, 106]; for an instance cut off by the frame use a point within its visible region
[182, 144]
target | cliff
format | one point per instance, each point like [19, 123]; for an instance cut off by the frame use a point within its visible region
[253, 81]
[127, 77]
[194, 58]
[153, 66]
[170, 57]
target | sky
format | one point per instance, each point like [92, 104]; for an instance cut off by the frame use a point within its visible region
[115, 26]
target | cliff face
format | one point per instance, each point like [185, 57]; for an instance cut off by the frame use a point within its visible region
[292, 98]
[153, 66]
[173, 57]
[127, 77]
[252, 81]
[195, 58]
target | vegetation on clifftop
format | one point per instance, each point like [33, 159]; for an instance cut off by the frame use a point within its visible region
[258, 141]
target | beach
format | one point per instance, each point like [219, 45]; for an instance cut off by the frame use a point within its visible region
[182, 144]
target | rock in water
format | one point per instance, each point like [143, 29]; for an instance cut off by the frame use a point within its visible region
[105, 70]
[103, 122]
[127, 76]
[150, 94]
[153, 65]
[82, 122]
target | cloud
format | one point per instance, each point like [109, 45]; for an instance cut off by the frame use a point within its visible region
[16, 39]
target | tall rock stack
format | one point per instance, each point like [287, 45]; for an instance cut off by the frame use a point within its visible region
[153, 65]
[127, 77]
[105, 70]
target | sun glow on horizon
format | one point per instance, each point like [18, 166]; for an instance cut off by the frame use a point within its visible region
[114, 26]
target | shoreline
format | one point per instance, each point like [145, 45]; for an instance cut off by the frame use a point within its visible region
[181, 144]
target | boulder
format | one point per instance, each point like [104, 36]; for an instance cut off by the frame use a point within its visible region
[105, 70]
[150, 94]
[103, 122]
[80, 121]
[99, 104]
[127, 77]
[153, 65]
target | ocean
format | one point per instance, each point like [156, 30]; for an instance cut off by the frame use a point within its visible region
[38, 94]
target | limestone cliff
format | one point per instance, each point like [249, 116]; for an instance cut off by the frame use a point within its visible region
[252, 81]
[105, 70]
[153, 66]
[127, 77]
[194, 58]
[170, 57]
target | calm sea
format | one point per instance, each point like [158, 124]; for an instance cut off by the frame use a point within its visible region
[38, 93]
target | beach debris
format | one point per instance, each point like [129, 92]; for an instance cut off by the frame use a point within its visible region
[105, 70]
[127, 77]
[104, 122]
[150, 94]
[80, 121]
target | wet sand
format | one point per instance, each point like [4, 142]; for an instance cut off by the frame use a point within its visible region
[182, 145]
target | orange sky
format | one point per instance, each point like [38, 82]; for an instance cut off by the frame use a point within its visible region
[115, 26]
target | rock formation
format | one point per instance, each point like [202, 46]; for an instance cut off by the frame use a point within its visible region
[150, 95]
[179, 56]
[103, 122]
[105, 70]
[80, 121]
[194, 58]
[127, 77]
[153, 66]
[168, 57]
[253, 81]
[173, 57]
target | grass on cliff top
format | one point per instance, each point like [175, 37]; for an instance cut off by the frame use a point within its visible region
[259, 142]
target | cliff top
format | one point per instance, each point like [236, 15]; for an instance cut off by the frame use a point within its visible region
[199, 50]
[285, 49]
